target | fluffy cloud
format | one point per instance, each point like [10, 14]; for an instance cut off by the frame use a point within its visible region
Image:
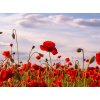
[88, 22]
[42, 21]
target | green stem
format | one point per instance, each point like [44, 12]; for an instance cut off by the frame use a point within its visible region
[31, 55]
[14, 30]
[45, 64]
[83, 58]
[85, 79]
[50, 59]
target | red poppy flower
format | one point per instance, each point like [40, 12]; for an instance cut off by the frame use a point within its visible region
[43, 84]
[92, 84]
[11, 44]
[87, 60]
[1, 83]
[36, 67]
[54, 52]
[67, 60]
[6, 54]
[59, 57]
[24, 66]
[28, 78]
[33, 83]
[58, 65]
[9, 73]
[98, 58]
[98, 82]
[23, 82]
[10, 84]
[69, 64]
[49, 46]
[38, 57]
[3, 75]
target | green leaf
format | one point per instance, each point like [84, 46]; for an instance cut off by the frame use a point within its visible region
[13, 36]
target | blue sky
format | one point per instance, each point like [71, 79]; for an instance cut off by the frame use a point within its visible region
[69, 31]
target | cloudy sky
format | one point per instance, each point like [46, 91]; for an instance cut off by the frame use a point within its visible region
[69, 31]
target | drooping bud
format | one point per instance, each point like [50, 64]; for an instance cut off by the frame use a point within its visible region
[1, 32]
[79, 50]
[13, 35]
[46, 60]
[92, 60]
[33, 47]
[41, 54]
[11, 44]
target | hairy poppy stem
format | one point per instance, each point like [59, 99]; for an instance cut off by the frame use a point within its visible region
[83, 58]
[50, 59]
[84, 79]
[30, 55]
[14, 31]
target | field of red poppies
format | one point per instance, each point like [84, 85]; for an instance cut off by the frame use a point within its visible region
[47, 74]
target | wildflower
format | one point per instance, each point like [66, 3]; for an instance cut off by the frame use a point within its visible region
[58, 65]
[87, 60]
[11, 45]
[67, 60]
[49, 46]
[10, 84]
[9, 73]
[54, 52]
[98, 83]
[43, 84]
[23, 82]
[59, 56]
[33, 83]
[38, 57]
[3, 75]
[28, 78]
[6, 54]
[92, 84]
[36, 67]
[69, 64]
[98, 58]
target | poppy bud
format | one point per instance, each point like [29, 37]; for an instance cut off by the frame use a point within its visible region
[13, 53]
[13, 36]
[41, 55]
[92, 59]
[46, 60]
[1, 32]
[11, 44]
[59, 57]
[33, 47]
[79, 50]
[38, 57]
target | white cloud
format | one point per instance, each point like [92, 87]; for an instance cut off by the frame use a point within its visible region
[42, 21]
